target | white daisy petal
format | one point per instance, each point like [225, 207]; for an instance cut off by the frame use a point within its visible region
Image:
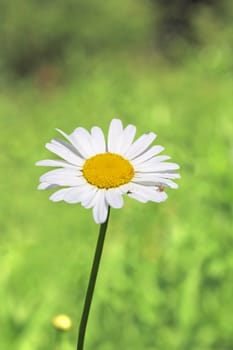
[65, 181]
[83, 142]
[114, 134]
[148, 155]
[98, 140]
[65, 153]
[140, 145]
[68, 145]
[158, 159]
[114, 198]
[46, 186]
[127, 139]
[147, 193]
[91, 203]
[63, 177]
[168, 175]
[71, 142]
[59, 195]
[153, 166]
[152, 179]
[89, 200]
[76, 194]
[167, 166]
[139, 197]
[65, 171]
[55, 163]
[100, 210]
[159, 196]
[124, 188]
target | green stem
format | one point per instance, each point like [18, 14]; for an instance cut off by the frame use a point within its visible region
[91, 284]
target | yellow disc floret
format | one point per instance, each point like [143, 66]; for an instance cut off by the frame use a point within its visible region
[107, 170]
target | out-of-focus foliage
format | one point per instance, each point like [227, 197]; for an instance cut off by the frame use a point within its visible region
[35, 32]
[177, 30]
[174, 20]
[165, 281]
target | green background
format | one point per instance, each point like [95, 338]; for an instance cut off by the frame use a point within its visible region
[165, 281]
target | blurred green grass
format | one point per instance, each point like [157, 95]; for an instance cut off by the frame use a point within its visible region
[166, 275]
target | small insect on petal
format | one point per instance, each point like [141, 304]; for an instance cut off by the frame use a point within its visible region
[161, 188]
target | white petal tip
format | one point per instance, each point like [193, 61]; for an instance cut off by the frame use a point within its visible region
[174, 186]
[176, 166]
[60, 131]
[163, 196]
[55, 198]
[40, 163]
[41, 186]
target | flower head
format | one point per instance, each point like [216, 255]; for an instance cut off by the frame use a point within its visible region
[97, 173]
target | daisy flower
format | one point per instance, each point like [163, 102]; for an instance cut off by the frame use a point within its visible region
[97, 173]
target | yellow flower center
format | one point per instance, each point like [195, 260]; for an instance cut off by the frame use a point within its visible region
[107, 170]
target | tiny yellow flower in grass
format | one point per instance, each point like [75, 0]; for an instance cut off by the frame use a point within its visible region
[62, 322]
[97, 173]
